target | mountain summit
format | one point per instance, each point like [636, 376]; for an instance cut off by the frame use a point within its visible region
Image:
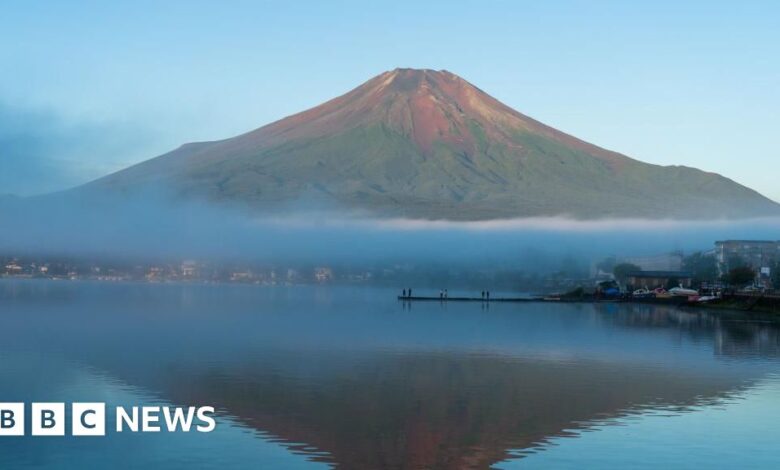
[429, 144]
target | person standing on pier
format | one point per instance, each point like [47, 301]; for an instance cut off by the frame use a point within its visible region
[483, 295]
[404, 294]
[410, 292]
[487, 294]
[446, 294]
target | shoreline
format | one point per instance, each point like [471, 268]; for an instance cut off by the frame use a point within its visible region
[736, 302]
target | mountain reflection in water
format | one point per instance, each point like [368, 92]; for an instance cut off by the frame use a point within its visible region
[439, 411]
[347, 377]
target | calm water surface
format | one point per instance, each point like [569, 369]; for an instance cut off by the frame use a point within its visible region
[306, 377]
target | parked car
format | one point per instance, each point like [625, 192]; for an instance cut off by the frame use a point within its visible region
[753, 289]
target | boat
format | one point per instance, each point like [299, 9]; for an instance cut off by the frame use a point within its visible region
[643, 294]
[661, 293]
[683, 292]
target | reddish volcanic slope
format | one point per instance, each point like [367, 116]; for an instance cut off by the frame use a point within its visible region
[424, 143]
[425, 106]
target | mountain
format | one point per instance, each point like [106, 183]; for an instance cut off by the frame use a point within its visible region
[428, 144]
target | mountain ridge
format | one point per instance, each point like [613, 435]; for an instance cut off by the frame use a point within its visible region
[429, 144]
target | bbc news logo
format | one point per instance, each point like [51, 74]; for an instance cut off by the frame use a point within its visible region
[89, 419]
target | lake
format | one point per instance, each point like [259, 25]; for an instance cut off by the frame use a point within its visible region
[348, 377]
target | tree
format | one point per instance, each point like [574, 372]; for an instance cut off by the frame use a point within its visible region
[606, 265]
[704, 268]
[622, 270]
[732, 262]
[741, 276]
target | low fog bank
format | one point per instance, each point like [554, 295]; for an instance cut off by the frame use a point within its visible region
[153, 227]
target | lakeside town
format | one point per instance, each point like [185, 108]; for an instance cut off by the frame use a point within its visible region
[746, 265]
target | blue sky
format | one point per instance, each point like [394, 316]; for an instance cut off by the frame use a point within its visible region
[90, 87]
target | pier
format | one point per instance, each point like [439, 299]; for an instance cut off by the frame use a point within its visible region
[738, 302]
[678, 301]
[471, 299]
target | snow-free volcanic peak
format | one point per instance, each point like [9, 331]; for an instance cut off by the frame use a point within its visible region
[429, 144]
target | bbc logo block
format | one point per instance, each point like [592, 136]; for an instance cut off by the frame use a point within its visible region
[11, 419]
[89, 419]
[48, 419]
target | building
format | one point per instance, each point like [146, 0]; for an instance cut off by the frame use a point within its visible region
[13, 268]
[323, 274]
[155, 273]
[242, 276]
[663, 262]
[189, 269]
[761, 255]
[293, 275]
[654, 279]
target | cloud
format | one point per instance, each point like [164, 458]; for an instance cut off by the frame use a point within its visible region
[41, 151]
[525, 224]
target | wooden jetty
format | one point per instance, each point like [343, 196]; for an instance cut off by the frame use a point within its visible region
[470, 299]
[588, 299]
[744, 302]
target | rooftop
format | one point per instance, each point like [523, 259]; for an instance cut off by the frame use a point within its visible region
[655, 274]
